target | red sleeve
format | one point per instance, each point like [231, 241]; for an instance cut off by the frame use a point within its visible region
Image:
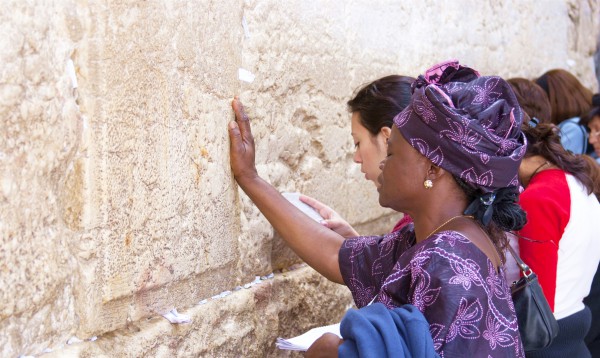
[545, 225]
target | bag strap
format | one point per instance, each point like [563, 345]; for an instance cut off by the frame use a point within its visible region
[522, 265]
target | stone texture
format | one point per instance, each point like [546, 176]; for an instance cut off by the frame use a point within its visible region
[243, 324]
[116, 198]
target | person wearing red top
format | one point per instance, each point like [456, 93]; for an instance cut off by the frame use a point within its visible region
[560, 240]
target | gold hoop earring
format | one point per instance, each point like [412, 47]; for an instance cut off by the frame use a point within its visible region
[428, 184]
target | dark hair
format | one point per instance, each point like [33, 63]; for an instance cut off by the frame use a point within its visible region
[532, 98]
[497, 212]
[594, 112]
[380, 101]
[543, 140]
[594, 173]
[568, 97]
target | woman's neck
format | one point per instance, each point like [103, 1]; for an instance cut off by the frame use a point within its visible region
[435, 221]
[532, 166]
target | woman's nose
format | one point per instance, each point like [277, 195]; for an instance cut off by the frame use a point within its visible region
[357, 159]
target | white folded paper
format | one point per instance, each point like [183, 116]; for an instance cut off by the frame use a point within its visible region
[294, 198]
[303, 341]
[175, 317]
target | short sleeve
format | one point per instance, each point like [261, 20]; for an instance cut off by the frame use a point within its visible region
[366, 260]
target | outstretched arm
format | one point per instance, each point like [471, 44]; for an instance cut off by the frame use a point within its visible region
[315, 244]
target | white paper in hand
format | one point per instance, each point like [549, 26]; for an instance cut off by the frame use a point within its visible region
[304, 341]
[294, 198]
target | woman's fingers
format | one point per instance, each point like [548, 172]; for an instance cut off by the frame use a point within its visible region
[314, 203]
[235, 139]
[242, 120]
[241, 144]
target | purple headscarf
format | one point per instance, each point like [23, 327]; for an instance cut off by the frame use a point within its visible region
[467, 124]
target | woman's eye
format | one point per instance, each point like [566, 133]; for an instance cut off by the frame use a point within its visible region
[356, 144]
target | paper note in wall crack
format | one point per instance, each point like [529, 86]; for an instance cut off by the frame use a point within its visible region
[72, 73]
[175, 317]
[245, 75]
[304, 341]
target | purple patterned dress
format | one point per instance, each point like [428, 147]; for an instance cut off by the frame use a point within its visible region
[466, 302]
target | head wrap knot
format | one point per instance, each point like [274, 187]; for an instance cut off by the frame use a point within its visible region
[467, 124]
[441, 73]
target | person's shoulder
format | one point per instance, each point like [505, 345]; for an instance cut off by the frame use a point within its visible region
[449, 241]
[546, 183]
[573, 135]
[572, 122]
[452, 248]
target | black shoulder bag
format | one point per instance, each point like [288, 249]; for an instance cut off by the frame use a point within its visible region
[537, 325]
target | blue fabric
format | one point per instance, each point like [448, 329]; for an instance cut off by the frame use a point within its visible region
[376, 331]
[573, 136]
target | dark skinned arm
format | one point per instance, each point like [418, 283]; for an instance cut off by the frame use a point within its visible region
[315, 244]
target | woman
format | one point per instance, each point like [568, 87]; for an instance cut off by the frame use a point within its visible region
[454, 150]
[373, 109]
[560, 240]
[569, 100]
[592, 121]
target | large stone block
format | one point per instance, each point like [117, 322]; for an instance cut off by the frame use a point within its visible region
[116, 198]
[244, 324]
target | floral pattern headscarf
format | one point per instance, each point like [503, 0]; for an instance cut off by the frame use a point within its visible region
[468, 124]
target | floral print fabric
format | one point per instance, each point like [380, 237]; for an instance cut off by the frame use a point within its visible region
[467, 124]
[467, 303]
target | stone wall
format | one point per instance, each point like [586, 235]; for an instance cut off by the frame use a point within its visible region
[116, 199]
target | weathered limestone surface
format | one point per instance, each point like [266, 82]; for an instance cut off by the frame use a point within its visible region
[116, 198]
[242, 324]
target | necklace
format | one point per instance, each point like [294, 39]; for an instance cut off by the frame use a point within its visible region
[446, 222]
[538, 169]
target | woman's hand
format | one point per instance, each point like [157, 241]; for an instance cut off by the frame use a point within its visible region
[333, 220]
[324, 347]
[316, 245]
[241, 145]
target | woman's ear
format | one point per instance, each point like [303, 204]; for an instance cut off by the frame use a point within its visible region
[434, 172]
[386, 131]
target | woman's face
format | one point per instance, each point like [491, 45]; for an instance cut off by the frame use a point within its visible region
[402, 173]
[594, 125]
[369, 150]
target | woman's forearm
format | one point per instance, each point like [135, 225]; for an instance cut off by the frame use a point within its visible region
[317, 245]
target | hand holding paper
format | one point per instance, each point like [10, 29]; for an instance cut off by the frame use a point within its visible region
[304, 341]
[331, 218]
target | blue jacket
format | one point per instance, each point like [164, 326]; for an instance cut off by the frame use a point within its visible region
[573, 136]
[376, 331]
